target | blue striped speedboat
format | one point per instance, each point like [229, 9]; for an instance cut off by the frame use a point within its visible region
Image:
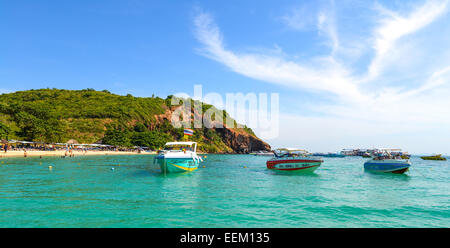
[396, 166]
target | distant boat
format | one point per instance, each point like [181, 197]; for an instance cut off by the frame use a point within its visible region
[335, 155]
[405, 156]
[366, 155]
[262, 153]
[293, 160]
[178, 157]
[433, 157]
[329, 155]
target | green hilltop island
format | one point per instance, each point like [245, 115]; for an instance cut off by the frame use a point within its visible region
[89, 116]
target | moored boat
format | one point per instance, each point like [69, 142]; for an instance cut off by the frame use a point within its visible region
[387, 165]
[293, 160]
[329, 155]
[178, 157]
[335, 155]
[262, 153]
[433, 157]
[387, 162]
[366, 155]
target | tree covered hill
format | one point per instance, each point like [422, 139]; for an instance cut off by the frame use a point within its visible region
[88, 116]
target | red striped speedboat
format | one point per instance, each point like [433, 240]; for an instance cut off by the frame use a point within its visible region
[293, 160]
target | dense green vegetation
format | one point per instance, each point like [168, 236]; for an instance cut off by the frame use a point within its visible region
[89, 116]
[4, 131]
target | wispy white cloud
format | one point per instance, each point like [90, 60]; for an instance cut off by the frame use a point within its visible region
[438, 78]
[299, 18]
[386, 106]
[326, 24]
[394, 26]
[325, 75]
[309, 16]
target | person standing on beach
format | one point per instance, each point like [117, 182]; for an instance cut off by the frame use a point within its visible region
[24, 152]
[6, 148]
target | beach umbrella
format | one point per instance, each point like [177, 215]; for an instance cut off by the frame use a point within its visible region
[26, 142]
[72, 141]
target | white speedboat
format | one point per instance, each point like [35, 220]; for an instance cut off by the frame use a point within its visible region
[178, 157]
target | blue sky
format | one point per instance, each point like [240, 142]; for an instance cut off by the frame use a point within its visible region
[349, 73]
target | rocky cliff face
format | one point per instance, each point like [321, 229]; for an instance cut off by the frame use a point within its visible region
[242, 142]
[236, 139]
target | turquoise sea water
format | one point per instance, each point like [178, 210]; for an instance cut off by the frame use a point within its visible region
[230, 191]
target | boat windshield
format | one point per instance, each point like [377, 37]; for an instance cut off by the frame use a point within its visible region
[290, 153]
[387, 155]
[178, 148]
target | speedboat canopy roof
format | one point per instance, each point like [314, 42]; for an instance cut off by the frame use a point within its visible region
[185, 143]
[291, 150]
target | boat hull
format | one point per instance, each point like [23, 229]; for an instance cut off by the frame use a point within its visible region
[293, 165]
[433, 158]
[396, 167]
[176, 165]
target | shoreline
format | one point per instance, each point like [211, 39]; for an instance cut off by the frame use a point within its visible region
[16, 154]
[12, 154]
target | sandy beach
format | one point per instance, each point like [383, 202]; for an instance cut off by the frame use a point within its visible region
[62, 153]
